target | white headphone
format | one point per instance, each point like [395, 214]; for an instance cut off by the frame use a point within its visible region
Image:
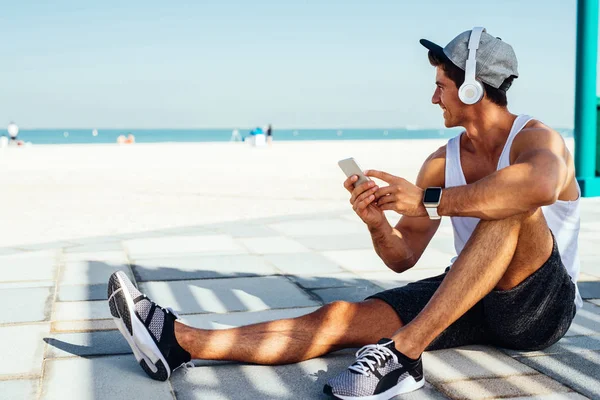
[471, 91]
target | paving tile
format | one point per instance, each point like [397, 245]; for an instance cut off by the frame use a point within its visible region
[233, 381]
[583, 277]
[82, 292]
[112, 377]
[22, 349]
[273, 245]
[180, 231]
[90, 272]
[86, 344]
[576, 370]
[114, 257]
[241, 230]
[46, 246]
[570, 344]
[510, 386]
[83, 326]
[227, 295]
[589, 263]
[389, 279]
[340, 242]
[21, 389]
[322, 281]
[357, 260]
[93, 240]
[4, 251]
[80, 310]
[37, 266]
[25, 305]
[470, 362]
[179, 245]
[303, 263]
[222, 321]
[586, 322]
[354, 294]
[26, 284]
[202, 267]
[95, 247]
[589, 290]
[149, 235]
[327, 226]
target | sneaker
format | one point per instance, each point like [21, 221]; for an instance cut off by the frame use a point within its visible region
[380, 372]
[148, 328]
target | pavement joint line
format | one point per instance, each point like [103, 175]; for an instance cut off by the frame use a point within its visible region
[10, 324]
[18, 377]
[77, 356]
[216, 278]
[311, 295]
[551, 355]
[59, 260]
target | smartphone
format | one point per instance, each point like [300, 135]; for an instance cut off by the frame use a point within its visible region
[351, 167]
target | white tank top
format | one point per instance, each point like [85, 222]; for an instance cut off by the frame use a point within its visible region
[562, 217]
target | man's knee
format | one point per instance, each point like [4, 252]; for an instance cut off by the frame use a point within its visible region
[340, 313]
[531, 221]
[338, 310]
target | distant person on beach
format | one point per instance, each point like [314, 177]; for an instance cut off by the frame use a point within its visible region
[508, 184]
[235, 136]
[130, 139]
[269, 135]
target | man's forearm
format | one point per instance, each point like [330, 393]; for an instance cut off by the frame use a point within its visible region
[391, 247]
[503, 194]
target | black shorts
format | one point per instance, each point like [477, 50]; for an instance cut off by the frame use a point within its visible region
[531, 316]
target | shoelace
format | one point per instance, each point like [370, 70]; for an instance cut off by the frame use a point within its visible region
[369, 356]
[165, 309]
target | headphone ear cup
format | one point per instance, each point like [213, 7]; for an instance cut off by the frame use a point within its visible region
[470, 92]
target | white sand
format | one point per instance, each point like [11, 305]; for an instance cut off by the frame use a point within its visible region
[69, 192]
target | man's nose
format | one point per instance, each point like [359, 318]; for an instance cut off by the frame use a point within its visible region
[435, 99]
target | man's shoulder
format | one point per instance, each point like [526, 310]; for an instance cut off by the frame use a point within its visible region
[536, 132]
[440, 153]
[537, 135]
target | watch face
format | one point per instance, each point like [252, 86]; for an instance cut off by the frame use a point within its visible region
[432, 195]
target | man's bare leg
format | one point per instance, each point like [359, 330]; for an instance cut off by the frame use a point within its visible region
[500, 254]
[335, 326]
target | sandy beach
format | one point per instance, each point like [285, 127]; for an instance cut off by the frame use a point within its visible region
[67, 192]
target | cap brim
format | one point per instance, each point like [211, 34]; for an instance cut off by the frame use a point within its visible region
[434, 48]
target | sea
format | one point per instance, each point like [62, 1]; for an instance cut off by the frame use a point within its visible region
[103, 136]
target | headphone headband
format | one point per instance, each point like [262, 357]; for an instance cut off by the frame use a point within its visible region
[471, 65]
[471, 91]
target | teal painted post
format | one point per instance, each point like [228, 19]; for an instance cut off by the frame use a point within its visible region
[585, 97]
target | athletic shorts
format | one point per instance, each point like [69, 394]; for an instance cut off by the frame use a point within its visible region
[531, 316]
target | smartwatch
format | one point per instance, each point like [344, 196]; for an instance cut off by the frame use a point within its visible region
[431, 201]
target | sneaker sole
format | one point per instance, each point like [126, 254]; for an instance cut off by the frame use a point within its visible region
[408, 385]
[135, 332]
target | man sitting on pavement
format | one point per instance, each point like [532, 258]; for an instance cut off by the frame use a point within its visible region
[507, 183]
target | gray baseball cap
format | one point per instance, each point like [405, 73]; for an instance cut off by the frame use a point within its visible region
[496, 60]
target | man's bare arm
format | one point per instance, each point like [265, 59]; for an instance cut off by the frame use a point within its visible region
[400, 247]
[536, 178]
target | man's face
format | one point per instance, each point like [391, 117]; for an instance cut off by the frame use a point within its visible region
[446, 96]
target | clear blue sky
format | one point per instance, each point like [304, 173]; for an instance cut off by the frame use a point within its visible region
[226, 63]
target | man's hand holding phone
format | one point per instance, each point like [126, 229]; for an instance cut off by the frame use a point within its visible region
[362, 194]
